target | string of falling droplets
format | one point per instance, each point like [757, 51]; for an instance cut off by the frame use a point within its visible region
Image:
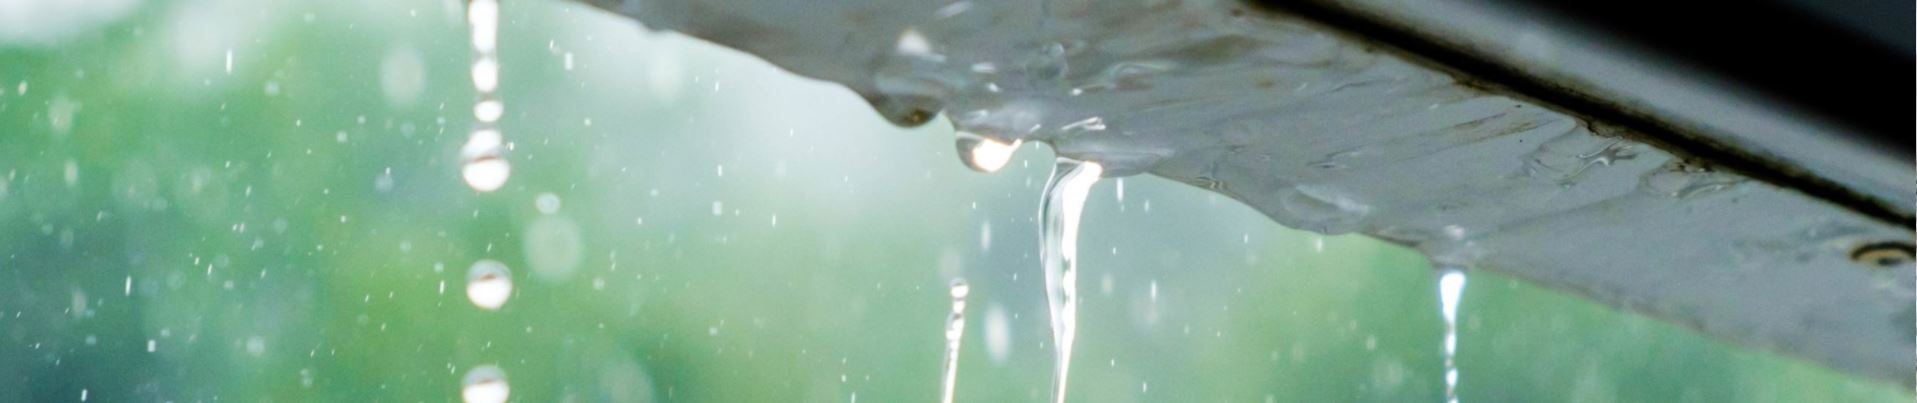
[1450, 292]
[1059, 211]
[482, 161]
[954, 334]
[485, 169]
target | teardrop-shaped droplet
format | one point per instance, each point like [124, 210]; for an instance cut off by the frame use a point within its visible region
[985, 154]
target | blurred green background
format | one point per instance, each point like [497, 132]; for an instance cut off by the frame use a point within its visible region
[295, 229]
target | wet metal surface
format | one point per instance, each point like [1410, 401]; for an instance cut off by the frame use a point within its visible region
[1325, 131]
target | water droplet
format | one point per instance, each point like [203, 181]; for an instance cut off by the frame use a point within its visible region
[489, 111]
[546, 203]
[255, 346]
[998, 334]
[60, 113]
[486, 74]
[913, 43]
[1564, 159]
[485, 384]
[384, 182]
[909, 106]
[484, 169]
[483, 18]
[489, 284]
[985, 236]
[72, 174]
[1046, 64]
[1061, 207]
[985, 154]
[1683, 181]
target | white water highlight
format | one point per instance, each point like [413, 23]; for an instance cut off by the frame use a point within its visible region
[1062, 205]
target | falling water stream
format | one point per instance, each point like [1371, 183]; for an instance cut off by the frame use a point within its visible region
[1062, 204]
[1450, 291]
[954, 334]
[484, 167]
[482, 163]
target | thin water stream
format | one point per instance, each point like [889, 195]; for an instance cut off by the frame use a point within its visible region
[1062, 205]
[1450, 292]
[954, 336]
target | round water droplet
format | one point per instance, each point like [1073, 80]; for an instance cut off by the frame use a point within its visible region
[1047, 63]
[960, 289]
[483, 168]
[907, 104]
[488, 285]
[489, 111]
[486, 74]
[485, 384]
[913, 43]
[985, 154]
[384, 182]
[256, 346]
[486, 174]
[547, 203]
